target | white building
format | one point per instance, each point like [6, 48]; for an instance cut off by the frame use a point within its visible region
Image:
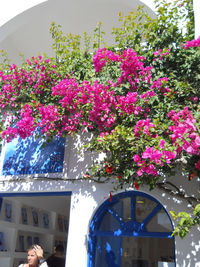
[55, 206]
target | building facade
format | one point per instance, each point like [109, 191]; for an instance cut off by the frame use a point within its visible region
[42, 196]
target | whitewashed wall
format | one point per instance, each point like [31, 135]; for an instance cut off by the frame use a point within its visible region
[7, 13]
[88, 196]
[24, 25]
[197, 17]
[26, 28]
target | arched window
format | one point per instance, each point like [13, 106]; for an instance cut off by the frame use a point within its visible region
[132, 230]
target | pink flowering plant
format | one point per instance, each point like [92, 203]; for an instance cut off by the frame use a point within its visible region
[138, 98]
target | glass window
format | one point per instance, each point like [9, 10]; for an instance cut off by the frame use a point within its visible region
[143, 207]
[159, 223]
[109, 223]
[142, 251]
[123, 208]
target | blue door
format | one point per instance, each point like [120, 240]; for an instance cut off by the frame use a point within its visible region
[134, 230]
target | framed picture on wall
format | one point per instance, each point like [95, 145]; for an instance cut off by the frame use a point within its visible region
[35, 217]
[29, 241]
[8, 211]
[24, 215]
[1, 201]
[60, 223]
[21, 243]
[45, 220]
[2, 241]
[65, 222]
[36, 240]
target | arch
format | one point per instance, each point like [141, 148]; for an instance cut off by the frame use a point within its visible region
[28, 32]
[133, 229]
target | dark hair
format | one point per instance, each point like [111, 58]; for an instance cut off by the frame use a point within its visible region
[59, 248]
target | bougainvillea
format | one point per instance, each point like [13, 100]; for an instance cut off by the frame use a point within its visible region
[101, 108]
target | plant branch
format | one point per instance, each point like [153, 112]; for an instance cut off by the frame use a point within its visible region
[165, 186]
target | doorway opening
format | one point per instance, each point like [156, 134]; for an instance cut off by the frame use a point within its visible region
[134, 230]
[32, 218]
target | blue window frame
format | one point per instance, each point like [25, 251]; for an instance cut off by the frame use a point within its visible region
[132, 230]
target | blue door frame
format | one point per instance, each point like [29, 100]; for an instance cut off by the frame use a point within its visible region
[35, 194]
[131, 228]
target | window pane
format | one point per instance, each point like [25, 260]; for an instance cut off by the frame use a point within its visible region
[108, 252]
[143, 207]
[146, 252]
[109, 223]
[123, 208]
[28, 156]
[159, 223]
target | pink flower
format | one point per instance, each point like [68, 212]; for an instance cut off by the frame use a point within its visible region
[153, 154]
[169, 156]
[162, 143]
[29, 63]
[13, 67]
[193, 43]
[143, 126]
[197, 165]
[136, 158]
[139, 173]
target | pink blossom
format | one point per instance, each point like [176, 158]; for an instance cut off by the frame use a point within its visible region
[136, 158]
[169, 156]
[162, 143]
[152, 154]
[139, 173]
[197, 165]
[143, 126]
[193, 43]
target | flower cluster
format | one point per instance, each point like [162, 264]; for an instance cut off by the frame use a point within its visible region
[185, 135]
[160, 54]
[22, 84]
[131, 65]
[61, 105]
[151, 159]
[193, 43]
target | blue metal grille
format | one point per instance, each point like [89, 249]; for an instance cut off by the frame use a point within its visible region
[33, 156]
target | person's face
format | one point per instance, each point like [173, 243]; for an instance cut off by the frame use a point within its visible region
[32, 258]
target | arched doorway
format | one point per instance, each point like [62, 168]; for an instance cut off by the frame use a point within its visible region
[134, 230]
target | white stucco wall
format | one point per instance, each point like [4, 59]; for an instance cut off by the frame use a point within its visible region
[87, 196]
[28, 31]
[7, 13]
[24, 28]
[19, 6]
[197, 17]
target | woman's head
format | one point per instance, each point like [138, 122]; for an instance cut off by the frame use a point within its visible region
[32, 257]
